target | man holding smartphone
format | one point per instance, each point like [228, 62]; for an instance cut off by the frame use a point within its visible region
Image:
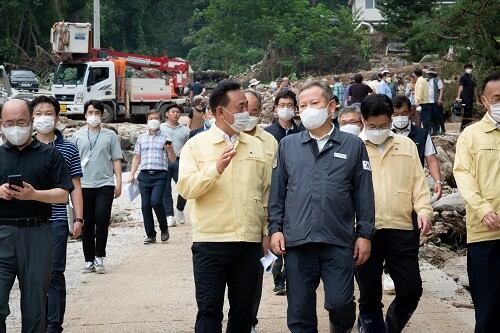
[179, 135]
[25, 239]
[150, 154]
[45, 116]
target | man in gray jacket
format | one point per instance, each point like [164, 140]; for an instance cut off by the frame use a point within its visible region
[321, 183]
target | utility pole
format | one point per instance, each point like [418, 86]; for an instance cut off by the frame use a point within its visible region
[97, 24]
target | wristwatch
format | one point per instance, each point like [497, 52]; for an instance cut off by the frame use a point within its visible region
[77, 219]
[439, 182]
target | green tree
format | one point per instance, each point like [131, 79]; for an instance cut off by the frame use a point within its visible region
[399, 14]
[303, 37]
[468, 25]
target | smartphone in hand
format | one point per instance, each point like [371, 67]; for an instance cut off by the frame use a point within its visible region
[15, 180]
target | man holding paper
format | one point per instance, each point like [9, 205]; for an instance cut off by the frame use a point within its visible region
[321, 183]
[224, 174]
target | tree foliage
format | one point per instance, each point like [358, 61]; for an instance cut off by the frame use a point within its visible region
[302, 36]
[470, 26]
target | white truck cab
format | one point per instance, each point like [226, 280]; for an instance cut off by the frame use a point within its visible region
[77, 82]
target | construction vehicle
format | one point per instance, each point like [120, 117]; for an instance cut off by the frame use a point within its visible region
[85, 73]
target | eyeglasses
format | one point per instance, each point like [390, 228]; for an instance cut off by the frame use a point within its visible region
[359, 122]
[20, 124]
[371, 127]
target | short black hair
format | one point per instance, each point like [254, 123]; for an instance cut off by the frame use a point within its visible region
[418, 72]
[380, 75]
[95, 103]
[219, 97]
[286, 94]
[398, 101]
[376, 105]
[358, 78]
[46, 99]
[492, 77]
[171, 106]
[28, 106]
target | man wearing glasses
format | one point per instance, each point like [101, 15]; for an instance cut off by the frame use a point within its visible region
[350, 119]
[400, 188]
[25, 208]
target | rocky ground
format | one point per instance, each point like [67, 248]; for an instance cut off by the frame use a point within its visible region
[150, 288]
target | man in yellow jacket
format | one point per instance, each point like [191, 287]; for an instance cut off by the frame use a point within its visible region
[477, 173]
[225, 176]
[400, 188]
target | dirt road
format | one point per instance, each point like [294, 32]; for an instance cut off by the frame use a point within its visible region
[149, 288]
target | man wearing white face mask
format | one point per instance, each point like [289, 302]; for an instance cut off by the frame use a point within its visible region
[151, 151]
[467, 93]
[285, 104]
[350, 119]
[179, 134]
[224, 173]
[270, 146]
[25, 235]
[45, 116]
[400, 188]
[321, 183]
[101, 160]
[401, 124]
[477, 172]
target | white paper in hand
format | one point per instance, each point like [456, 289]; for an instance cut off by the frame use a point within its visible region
[133, 190]
[268, 262]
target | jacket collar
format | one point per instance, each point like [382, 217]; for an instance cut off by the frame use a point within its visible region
[486, 124]
[216, 137]
[335, 136]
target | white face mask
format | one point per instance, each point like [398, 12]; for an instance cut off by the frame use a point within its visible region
[153, 124]
[252, 122]
[400, 121]
[377, 136]
[285, 113]
[313, 118]
[44, 124]
[93, 121]
[351, 128]
[240, 121]
[494, 111]
[17, 135]
[468, 70]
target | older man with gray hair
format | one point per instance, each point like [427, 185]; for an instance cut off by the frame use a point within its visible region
[350, 120]
[195, 116]
[321, 181]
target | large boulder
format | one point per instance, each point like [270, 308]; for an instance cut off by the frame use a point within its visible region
[451, 202]
[445, 148]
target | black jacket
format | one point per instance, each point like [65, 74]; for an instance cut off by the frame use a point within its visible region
[316, 196]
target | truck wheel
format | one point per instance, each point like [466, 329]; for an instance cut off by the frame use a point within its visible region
[109, 114]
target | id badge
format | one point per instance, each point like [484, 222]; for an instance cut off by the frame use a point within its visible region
[85, 161]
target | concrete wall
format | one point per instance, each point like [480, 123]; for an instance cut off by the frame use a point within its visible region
[367, 15]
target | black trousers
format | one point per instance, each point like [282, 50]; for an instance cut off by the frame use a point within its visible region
[97, 204]
[258, 292]
[152, 188]
[399, 249]
[215, 265]
[484, 279]
[25, 253]
[306, 265]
